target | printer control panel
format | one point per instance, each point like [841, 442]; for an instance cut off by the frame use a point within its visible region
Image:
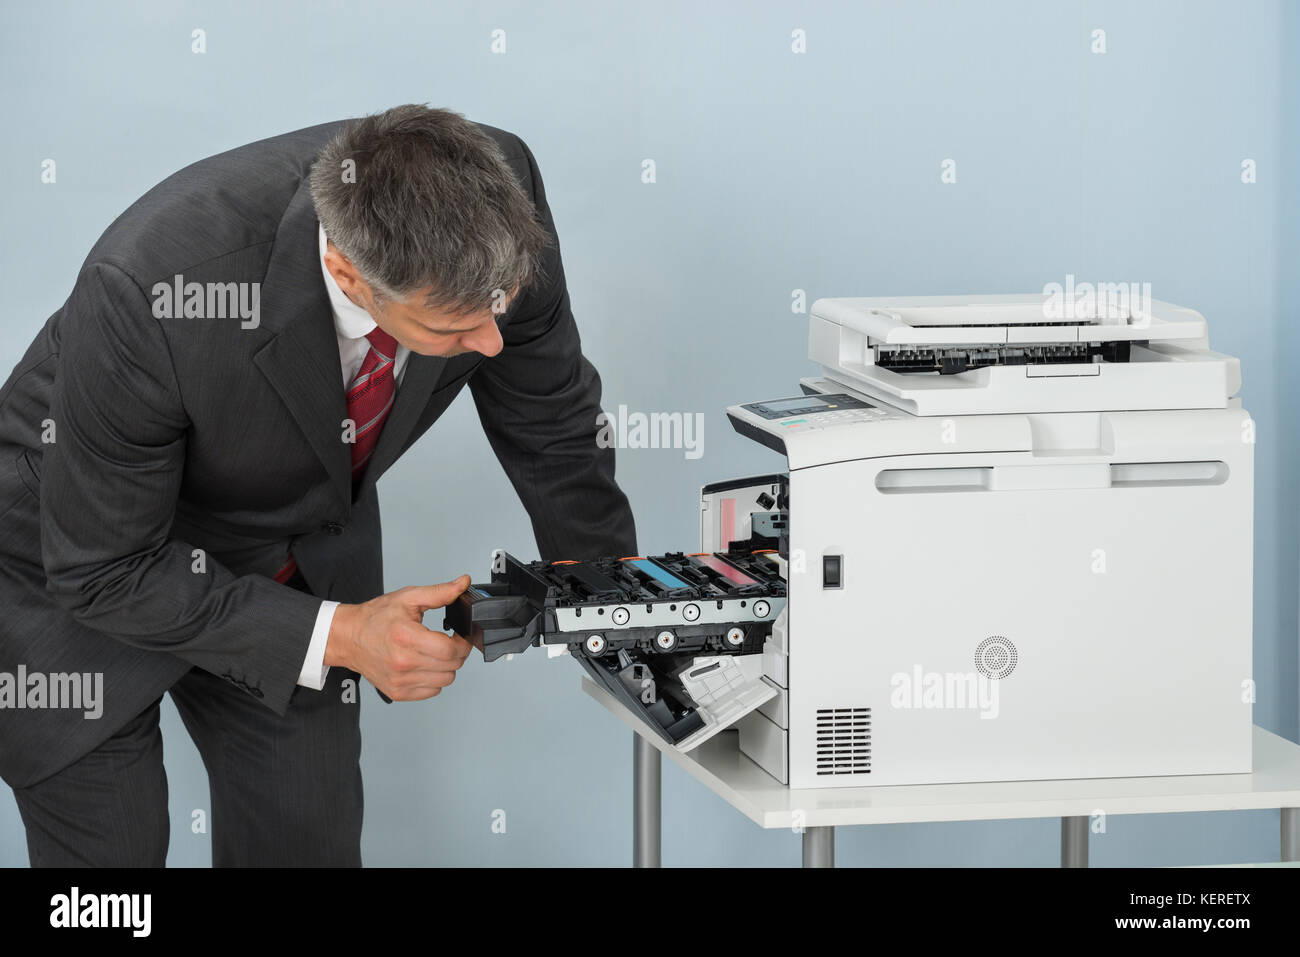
[772, 421]
[807, 412]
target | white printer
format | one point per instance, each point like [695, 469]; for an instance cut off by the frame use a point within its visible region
[1017, 545]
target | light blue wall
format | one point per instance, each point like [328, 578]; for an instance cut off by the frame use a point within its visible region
[776, 172]
[1288, 348]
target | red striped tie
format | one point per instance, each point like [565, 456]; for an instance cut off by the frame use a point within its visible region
[370, 398]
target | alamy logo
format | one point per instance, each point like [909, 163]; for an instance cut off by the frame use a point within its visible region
[56, 690]
[1117, 302]
[75, 909]
[208, 300]
[654, 430]
[944, 690]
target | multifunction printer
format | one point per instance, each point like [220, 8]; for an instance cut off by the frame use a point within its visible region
[1001, 543]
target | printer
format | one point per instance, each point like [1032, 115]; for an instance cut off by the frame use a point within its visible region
[1003, 543]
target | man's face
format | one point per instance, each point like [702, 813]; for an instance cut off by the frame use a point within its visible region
[435, 332]
[424, 329]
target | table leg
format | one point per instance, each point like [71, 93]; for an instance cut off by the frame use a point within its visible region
[647, 818]
[1291, 833]
[819, 847]
[1074, 842]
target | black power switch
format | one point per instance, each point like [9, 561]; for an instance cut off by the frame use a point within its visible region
[831, 572]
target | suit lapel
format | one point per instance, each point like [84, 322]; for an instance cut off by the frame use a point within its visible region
[418, 380]
[301, 360]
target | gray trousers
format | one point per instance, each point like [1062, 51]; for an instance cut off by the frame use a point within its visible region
[284, 791]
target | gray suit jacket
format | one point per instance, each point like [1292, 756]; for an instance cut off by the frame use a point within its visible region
[172, 435]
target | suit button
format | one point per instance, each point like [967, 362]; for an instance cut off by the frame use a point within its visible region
[332, 528]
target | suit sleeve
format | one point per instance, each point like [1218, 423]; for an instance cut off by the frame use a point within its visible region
[538, 400]
[109, 486]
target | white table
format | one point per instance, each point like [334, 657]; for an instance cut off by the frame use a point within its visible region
[719, 766]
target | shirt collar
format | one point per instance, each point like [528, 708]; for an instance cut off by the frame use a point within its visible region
[350, 320]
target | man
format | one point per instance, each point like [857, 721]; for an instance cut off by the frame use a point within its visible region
[188, 458]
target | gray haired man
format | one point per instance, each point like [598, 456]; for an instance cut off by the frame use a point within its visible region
[188, 458]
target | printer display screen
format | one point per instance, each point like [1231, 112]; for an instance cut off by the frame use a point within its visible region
[788, 405]
[805, 404]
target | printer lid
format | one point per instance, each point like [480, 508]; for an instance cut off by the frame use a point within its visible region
[1021, 353]
[1017, 318]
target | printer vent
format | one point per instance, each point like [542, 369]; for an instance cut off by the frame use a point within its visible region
[843, 740]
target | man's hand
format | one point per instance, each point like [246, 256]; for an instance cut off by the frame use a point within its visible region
[384, 640]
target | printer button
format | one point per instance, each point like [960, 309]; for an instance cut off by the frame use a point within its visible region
[831, 572]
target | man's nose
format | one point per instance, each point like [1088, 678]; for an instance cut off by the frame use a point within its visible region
[486, 339]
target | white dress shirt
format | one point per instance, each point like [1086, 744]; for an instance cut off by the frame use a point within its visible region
[351, 324]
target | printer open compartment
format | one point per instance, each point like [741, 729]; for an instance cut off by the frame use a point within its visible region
[667, 635]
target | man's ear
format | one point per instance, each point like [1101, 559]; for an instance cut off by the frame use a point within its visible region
[346, 275]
